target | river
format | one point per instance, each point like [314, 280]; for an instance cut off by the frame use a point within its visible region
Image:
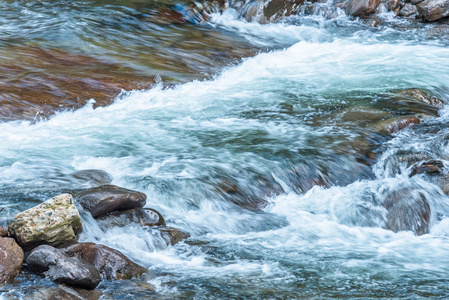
[251, 137]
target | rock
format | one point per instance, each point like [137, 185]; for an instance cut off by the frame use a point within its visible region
[392, 4]
[418, 95]
[358, 8]
[410, 159]
[432, 10]
[11, 259]
[415, 2]
[61, 268]
[93, 177]
[394, 125]
[107, 199]
[275, 9]
[373, 22]
[66, 293]
[54, 222]
[431, 167]
[362, 114]
[143, 216]
[4, 232]
[109, 262]
[407, 10]
[172, 235]
[407, 210]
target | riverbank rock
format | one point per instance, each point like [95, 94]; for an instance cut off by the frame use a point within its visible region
[358, 8]
[432, 10]
[143, 216]
[107, 199]
[408, 10]
[407, 210]
[11, 259]
[65, 293]
[54, 222]
[109, 262]
[61, 268]
[172, 235]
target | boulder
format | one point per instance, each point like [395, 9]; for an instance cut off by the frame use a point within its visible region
[392, 4]
[275, 9]
[54, 222]
[358, 8]
[109, 262]
[407, 210]
[408, 10]
[4, 232]
[172, 235]
[432, 10]
[61, 268]
[66, 293]
[415, 1]
[107, 199]
[143, 216]
[11, 259]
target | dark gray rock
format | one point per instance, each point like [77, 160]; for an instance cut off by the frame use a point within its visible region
[143, 216]
[107, 199]
[408, 10]
[93, 177]
[432, 10]
[61, 268]
[11, 259]
[407, 210]
[111, 263]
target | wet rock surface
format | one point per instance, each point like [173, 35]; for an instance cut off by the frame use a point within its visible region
[407, 210]
[61, 268]
[143, 216]
[54, 222]
[107, 199]
[394, 125]
[11, 259]
[359, 8]
[172, 235]
[431, 167]
[66, 293]
[111, 263]
[432, 10]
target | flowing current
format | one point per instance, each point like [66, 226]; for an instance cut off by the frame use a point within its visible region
[261, 164]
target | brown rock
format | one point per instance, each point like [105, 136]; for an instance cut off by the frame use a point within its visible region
[11, 259]
[421, 96]
[394, 125]
[432, 10]
[275, 9]
[66, 293]
[407, 210]
[172, 235]
[358, 8]
[107, 199]
[431, 167]
[4, 232]
[109, 262]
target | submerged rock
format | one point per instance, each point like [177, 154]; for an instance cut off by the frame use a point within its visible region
[111, 263]
[418, 96]
[66, 293]
[394, 125]
[11, 259]
[54, 222]
[432, 10]
[61, 268]
[107, 199]
[143, 216]
[93, 177]
[431, 167]
[359, 8]
[407, 210]
[172, 235]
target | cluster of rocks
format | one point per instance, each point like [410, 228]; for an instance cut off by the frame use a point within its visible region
[46, 238]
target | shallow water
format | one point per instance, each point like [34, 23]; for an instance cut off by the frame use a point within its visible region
[262, 163]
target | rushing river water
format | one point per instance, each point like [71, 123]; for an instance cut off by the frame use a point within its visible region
[265, 163]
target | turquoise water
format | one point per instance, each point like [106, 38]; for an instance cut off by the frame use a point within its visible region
[234, 158]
